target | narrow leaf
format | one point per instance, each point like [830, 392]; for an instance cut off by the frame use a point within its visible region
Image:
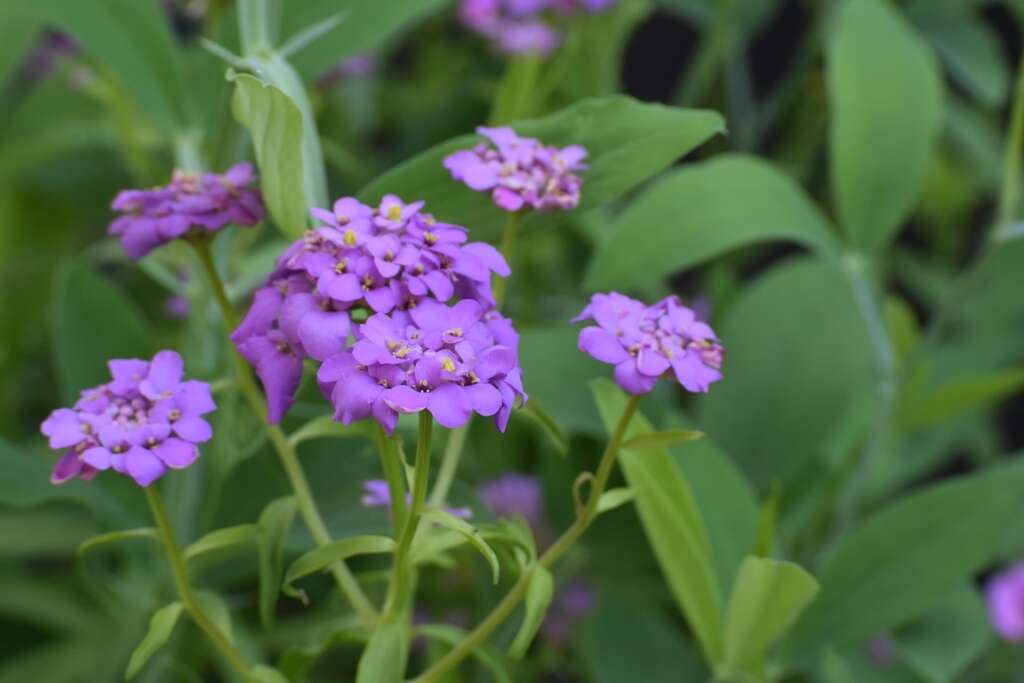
[538, 598]
[450, 521]
[115, 536]
[222, 538]
[614, 498]
[663, 439]
[960, 395]
[265, 674]
[324, 556]
[452, 636]
[274, 523]
[535, 411]
[215, 608]
[383, 660]
[160, 627]
[326, 427]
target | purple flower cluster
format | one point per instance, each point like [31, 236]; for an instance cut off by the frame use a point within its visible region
[206, 202]
[570, 604]
[375, 260]
[1005, 597]
[377, 495]
[141, 423]
[647, 342]
[520, 173]
[515, 494]
[524, 26]
[451, 361]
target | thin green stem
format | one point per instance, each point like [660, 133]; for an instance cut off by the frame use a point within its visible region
[180, 572]
[508, 241]
[449, 466]
[508, 604]
[286, 454]
[402, 578]
[1009, 197]
[393, 475]
[257, 24]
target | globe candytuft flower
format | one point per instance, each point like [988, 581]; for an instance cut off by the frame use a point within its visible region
[524, 26]
[513, 495]
[647, 342]
[434, 357]
[520, 173]
[1005, 598]
[189, 203]
[145, 420]
[376, 494]
[357, 260]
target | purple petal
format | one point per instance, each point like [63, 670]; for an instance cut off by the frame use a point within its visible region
[67, 468]
[98, 457]
[164, 375]
[176, 453]
[602, 345]
[143, 466]
[449, 405]
[632, 380]
[63, 428]
[484, 398]
[194, 429]
[651, 362]
[324, 333]
[405, 400]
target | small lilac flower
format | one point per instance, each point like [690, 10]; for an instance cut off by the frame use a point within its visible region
[514, 494]
[144, 421]
[356, 66]
[570, 604]
[524, 26]
[520, 173]
[367, 261]
[376, 494]
[189, 203]
[648, 342]
[1005, 597]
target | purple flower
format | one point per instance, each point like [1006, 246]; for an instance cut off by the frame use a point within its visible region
[356, 66]
[1005, 596]
[524, 26]
[520, 173]
[142, 422]
[648, 342]
[198, 203]
[374, 261]
[571, 604]
[433, 357]
[514, 494]
[376, 494]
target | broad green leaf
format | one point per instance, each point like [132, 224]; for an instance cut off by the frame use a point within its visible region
[538, 597]
[93, 321]
[704, 210]
[672, 522]
[767, 598]
[160, 627]
[886, 112]
[275, 124]
[889, 570]
[535, 410]
[222, 538]
[324, 556]
[662, 439]
[902, 327]
[767, 523]
[274, 523]
[471, 534]
[613, 498]
[266, 674]
[326, 427]
[961, 395]
[383, 660]
[628, 141]
[217, 610]
[452, 636]
[115, 536]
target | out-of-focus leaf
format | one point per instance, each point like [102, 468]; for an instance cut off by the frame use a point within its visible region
[517, 91]
[672, 522]
[538, 597]
[662, 439]
[451, 635]
[559, 374]
[324, 556]
[326, 427]
[274, 523]
[160, 627]
[536, 412]
[902, 327]
[26, 480]
[115, 536]
[597, 42]
[41, 601]
[217, 610]
[888, 570]
[18, 32]
[702, 211]
[383, 660]
[613, 498]
[766, 600]
[222, 538]
[93, 321]
[265, 674]
[275, 124]
[471, 534]
[961, 395]
[885, 94]
[628, 141]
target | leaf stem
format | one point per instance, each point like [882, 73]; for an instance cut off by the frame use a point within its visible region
[507, 605]
[393, 475]
[508, 241]
[180, 572]
[449, 466]
[286, 454]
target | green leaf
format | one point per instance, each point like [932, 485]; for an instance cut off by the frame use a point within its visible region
[471, 534]
[663, 439]
[538, 597]
[324, 556]
[886, 112]
[93, 321]
[26, 480]
[160, 627]
[628, 141]
[536, 412]
[222, 538]
[326, 427]
[515, 97]
[961, 395]
[274, 523]
[18, 32]
[888, 570]
[613, 498]
[702, 211]
[217, 610]
[115, 536]
[266, 674]
[275, 123]
[485, 654]
[384, 659]
[767, 598]
[672, 523]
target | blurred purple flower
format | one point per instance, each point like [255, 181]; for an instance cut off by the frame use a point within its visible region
[204, 203]
[648, 342]
[142, 422]
[524, 26]
[514, 494]
[52, 47]
[520, 173]
[571, 604]
[357, 66]
[177, 306]
[376, 494]
[1005, 597]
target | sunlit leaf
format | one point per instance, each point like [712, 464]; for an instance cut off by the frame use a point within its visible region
[160, 627]
[274, 523]
[222, 538]
[324, 556]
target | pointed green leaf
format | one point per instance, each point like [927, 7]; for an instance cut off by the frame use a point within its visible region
[115, 536]
[160, 627]
[326, 427]
[485, 654]
[274, 523]
[450, 521]
[663, 439]
[266, 674]
[383, 660]
[222, 538]
[613, 498]
[535, 410]
[217, 610]
[324, 556]
[960, 395]
[538, 597]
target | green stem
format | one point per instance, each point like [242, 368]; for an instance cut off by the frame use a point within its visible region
[1010, 195]
[449, 465]
[508, 240]
[181, 582]
[402, 579]
[286, 454]
[508, 604]
[393, 475]
[257, 22]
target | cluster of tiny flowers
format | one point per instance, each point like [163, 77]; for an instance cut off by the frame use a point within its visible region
[376, 494]
[520, 173]
[451, 361]
[1005, 597]
[647, 342]
[523, 26]
[205, 203]
[375, 260]
[141, 423]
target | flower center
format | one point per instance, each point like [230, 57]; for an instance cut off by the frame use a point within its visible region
[349, 237]
[448, 364]
[394, 212]
[430, 238]
[340, 266]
